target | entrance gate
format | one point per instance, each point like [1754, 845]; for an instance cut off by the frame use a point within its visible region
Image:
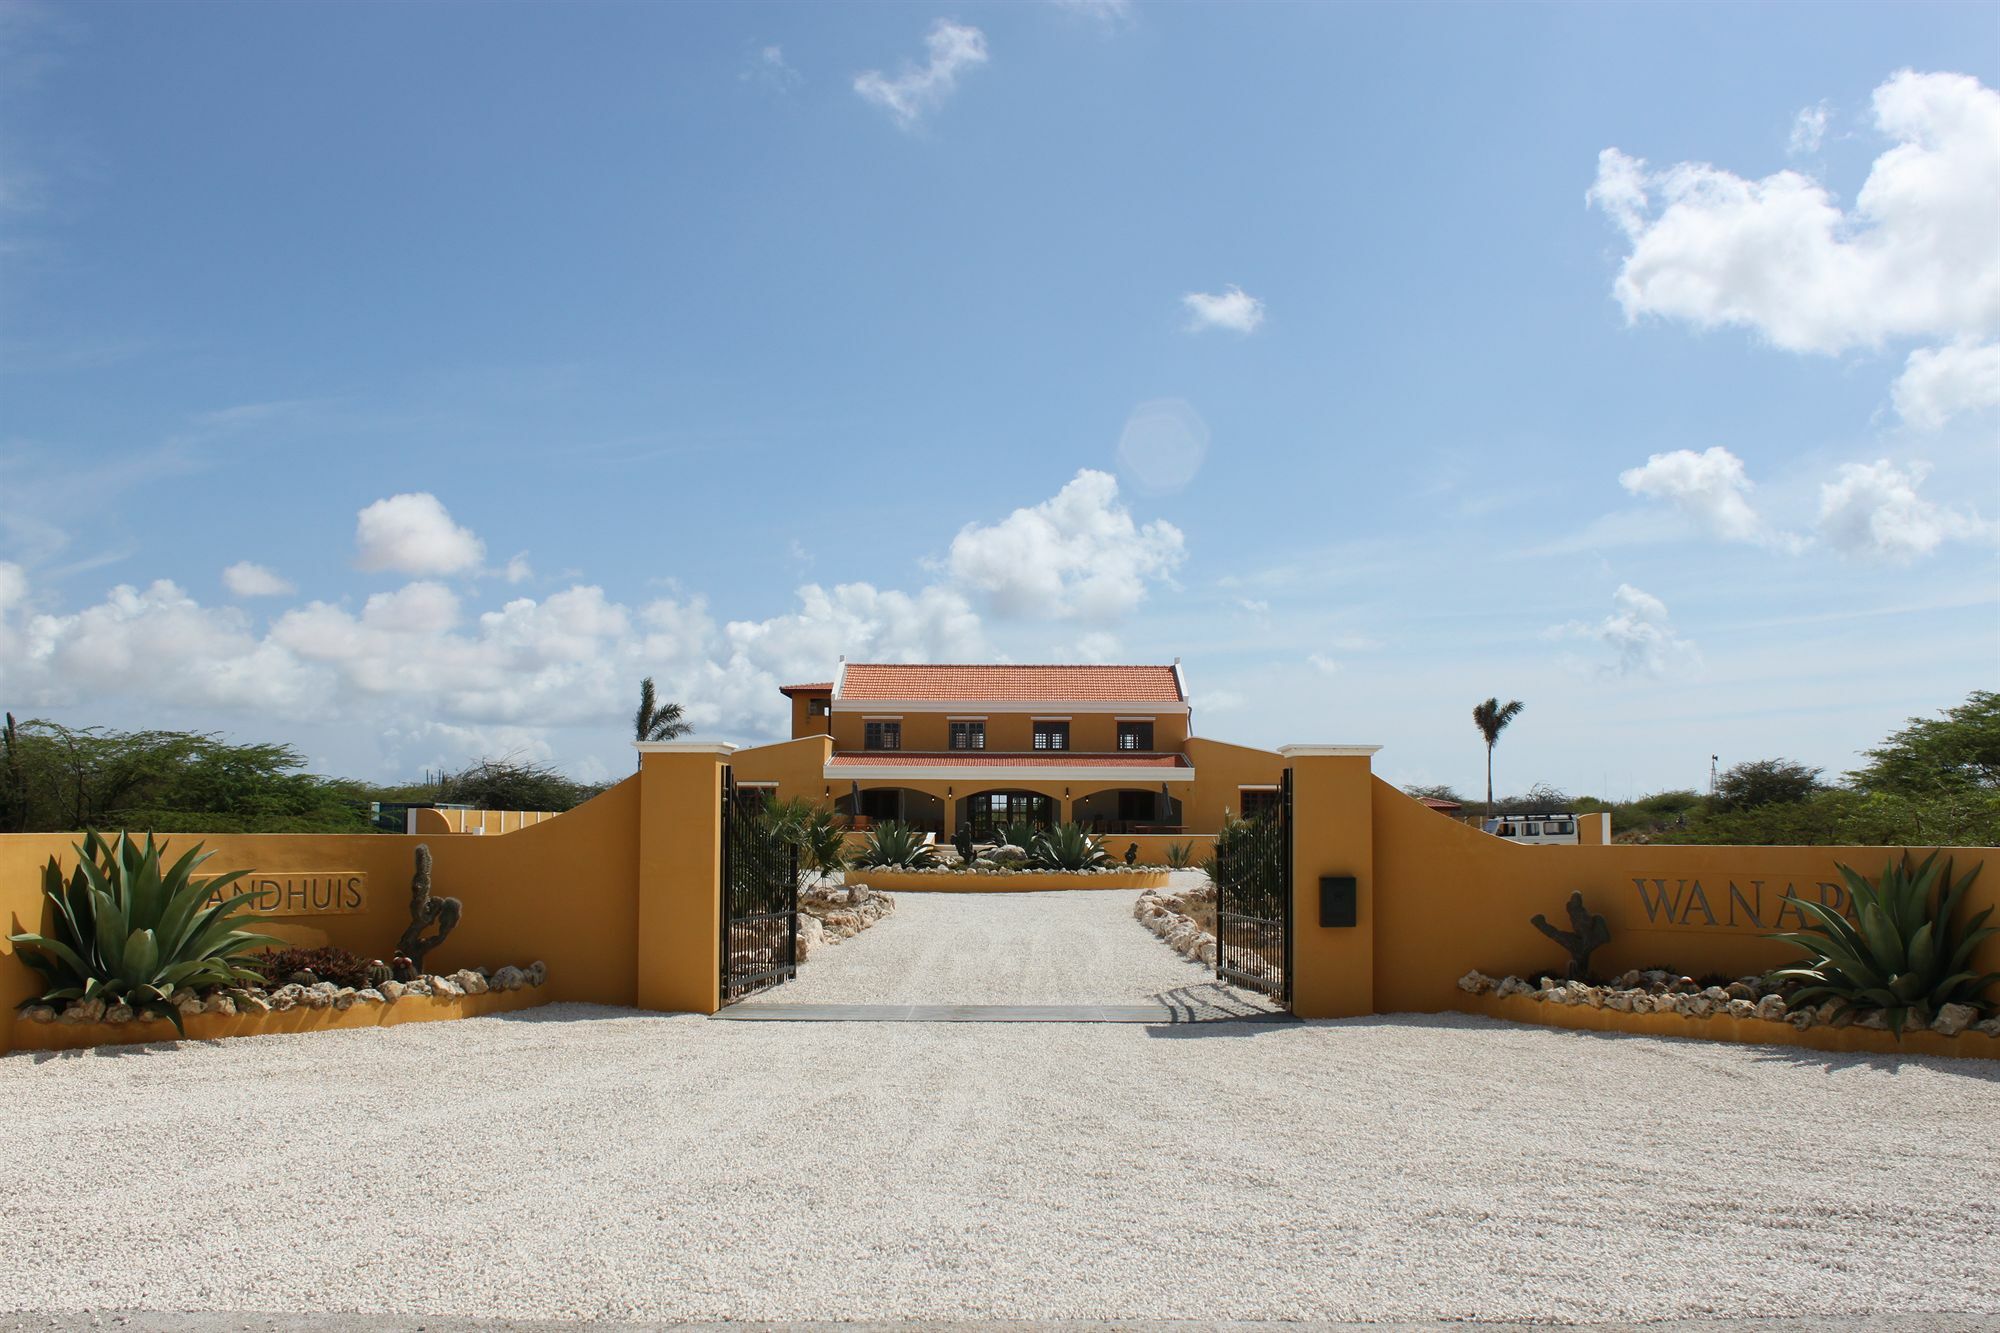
[760, 895]
[1253, 901]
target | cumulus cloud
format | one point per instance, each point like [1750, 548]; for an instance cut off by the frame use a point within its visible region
[1872, 511]
[247, 579]
[423, 664]
[1638, 637]
[1939, 383]
[414, 534]
[1711, 488]
[1918, 254]
[1232, 308]
[769, 67]
[1078, 555]
[953, 49]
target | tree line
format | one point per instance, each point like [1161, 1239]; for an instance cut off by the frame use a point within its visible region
[1933, 782]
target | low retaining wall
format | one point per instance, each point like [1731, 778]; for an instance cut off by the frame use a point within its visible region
[1002, 881]
[60, 1036]
[1845, 1040]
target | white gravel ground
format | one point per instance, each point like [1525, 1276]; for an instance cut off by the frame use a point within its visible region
[1067, 947]
[591, 1163]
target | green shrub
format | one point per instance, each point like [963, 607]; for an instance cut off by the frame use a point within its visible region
[822, 842]
[131, 931]
[1180, 855]
[895, 845]
[327, 964]
[1068, 847]
[1904, 954]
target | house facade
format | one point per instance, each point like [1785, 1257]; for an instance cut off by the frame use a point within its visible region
[945, 746]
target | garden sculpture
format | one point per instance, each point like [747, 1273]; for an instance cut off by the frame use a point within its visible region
[1132, 854]
[426, 911]
[1589, 932]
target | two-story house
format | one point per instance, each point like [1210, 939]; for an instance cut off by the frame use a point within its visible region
[1111, 747]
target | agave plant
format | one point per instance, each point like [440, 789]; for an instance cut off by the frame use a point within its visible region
[1180, 855]
[130, 930]
[822, 843]
[1016, 833]
[1068, 847]
[1904, 953]
[895, 845]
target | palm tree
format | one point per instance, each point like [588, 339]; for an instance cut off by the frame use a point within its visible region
[1492, 718]
[657, 721]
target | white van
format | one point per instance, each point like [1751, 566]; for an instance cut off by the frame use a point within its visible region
[1548, 830]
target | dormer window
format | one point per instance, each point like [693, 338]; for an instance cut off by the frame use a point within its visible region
[1135, 735]
[886, 734]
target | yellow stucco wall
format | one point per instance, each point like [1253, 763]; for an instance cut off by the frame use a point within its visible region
[1005, 731]
[565, 892]
[431, 821]
[679, 938]
[1449, 899]
[1847, 1040]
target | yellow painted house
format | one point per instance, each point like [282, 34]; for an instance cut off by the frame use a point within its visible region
[945, 746]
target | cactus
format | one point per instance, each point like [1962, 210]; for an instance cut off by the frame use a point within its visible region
[1590, 932]
[379, 972]
[426, 911]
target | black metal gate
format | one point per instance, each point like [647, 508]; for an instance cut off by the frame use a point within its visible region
[760, 894]
[1253, 900]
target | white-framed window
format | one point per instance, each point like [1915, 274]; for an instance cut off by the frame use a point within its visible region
[1135, 733]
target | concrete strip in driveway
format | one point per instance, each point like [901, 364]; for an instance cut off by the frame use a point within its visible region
[149, 1322]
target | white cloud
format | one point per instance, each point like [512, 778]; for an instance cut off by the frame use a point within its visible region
[769, 67]
[1326, 666]
[1939, 383]
[1232, 308]
[419, 666]
[1918, 255]
[413, 534]
[1808, 130]
[953, 48]
[1078, 555]
[247, 579]
[517, 569]
[1109, 13]
[1709, 487]
[1872, 512]
[1637, 634]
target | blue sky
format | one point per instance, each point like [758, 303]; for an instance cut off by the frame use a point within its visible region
[1636, 362]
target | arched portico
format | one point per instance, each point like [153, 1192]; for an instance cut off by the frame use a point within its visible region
[1151, 809]
[921, 810]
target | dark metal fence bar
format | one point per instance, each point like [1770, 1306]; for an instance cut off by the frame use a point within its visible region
[1253, 901]
[760, 895]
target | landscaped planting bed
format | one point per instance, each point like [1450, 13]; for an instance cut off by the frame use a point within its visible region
[980, 879]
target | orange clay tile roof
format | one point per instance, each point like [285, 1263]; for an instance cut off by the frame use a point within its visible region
[809, 687]
[1011, 684]
[1031, 759]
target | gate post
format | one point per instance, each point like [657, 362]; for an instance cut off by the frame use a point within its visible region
[1333, 834]
[680, 875]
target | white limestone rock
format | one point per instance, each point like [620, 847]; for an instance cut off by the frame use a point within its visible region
[392, 991]
[1953, 1019]
[39, 1013]
[219, 1003]
[118, 1013]
[1475, 983]
[368, 995]
[1740, 1008]
[445, 986]
[513, 978]
[343, 998]
[470, 981]
[253, 1004]
[1512, 986]
[1771, 1007]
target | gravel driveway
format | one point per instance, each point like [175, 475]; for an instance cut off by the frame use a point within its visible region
[581, 1162]
[1079, 946]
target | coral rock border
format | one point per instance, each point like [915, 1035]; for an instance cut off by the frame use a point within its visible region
[251, 1011]
[1182, 933]
[1660, 1003]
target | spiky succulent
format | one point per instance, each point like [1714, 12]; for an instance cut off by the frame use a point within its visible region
[1068, 847]
[1904, 953]
[130, 929]
[896, 845]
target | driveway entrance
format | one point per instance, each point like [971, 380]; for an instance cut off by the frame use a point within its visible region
[1078, 949]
